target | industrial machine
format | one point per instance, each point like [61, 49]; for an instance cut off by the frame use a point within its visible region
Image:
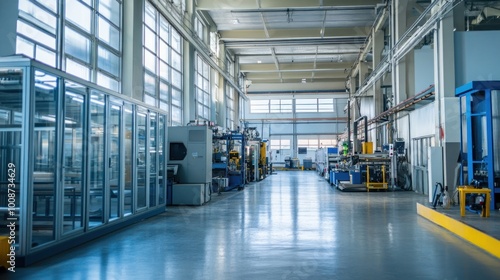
[263, 160]
[253, 157]
[320, 160]
[190, 148]
[480, 136]
[362, 172]
[229, 159]
[326, 159]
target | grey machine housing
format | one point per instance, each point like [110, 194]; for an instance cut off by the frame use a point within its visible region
[190, 147]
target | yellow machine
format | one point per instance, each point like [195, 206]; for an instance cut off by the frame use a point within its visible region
[263, 160]
[234, 160]
[377, 182]
[367, 147]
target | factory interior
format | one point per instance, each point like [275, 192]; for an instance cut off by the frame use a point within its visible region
[273, 139]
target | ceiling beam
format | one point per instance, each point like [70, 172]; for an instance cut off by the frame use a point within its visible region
[293, 82]
[320, 66]
[296, 75]
[236, 35]
[293, 42]
[279, 4]
[273, 52]
[276, 62]
[320, 54]
[298, 86]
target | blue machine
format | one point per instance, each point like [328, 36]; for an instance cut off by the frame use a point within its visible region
[338, 175]
[480, 136]
[333, 151]
[234, 168]
[355, 177]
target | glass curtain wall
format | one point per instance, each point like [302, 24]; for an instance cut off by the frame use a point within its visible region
[153, 160]
[45, 154]
[97, 140]
[162, 131]
[92, 158]
[141, 157]
[114, 158]
[128, 138]
[73, 157]
[11, 126]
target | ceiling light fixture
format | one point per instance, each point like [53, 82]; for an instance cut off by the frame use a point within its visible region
[235, 21]
[259, 61]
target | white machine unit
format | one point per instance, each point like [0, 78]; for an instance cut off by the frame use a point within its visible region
[190, 147]
[190, 194]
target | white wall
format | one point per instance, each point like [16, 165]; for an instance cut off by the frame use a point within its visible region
[424, 68]
[367, 107]
[422, 122]
[477, 56]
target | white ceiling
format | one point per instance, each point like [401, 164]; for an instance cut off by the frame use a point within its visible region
[309, 45]
[298, 44]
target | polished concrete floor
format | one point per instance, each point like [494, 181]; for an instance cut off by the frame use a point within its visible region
[292, 225]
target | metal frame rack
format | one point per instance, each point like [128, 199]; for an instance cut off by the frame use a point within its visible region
[480, 130]
[236, 178]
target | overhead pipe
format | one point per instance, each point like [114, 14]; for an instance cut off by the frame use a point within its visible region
[402, 47]
[377, 25]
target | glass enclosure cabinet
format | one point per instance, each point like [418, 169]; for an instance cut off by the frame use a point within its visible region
[76, 160]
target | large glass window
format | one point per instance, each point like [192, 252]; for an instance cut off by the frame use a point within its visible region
[303, 105]
[77, 45]
[89, 45]
[258, 106]
[36, 32]
[313, 143]
[280, 106]
[176, 107]
[162, 64]
[199, 28]
[327, 141]
[326, 105]
[310, 144]
[314, 105]
[230, 104]
[202, 88]
[306, 105]
[280, 144]
[214, 44]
